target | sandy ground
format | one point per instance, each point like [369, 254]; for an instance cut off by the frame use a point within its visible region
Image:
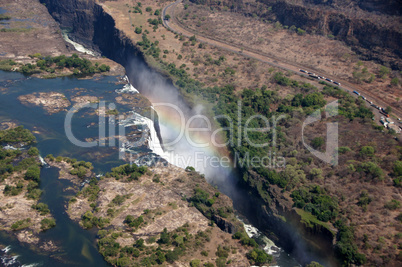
[166, 208]
[31, 30]
[52, 102]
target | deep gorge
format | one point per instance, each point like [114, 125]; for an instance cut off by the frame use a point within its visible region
[92, 26]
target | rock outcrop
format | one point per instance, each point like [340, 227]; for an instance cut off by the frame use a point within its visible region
[370, 28]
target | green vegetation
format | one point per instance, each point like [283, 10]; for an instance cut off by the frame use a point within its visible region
[383, 72]
[133, 222]
[170, 247]
[80, 168]
[7, 65]
[17, 135]
[259, 257]
[316, 201]
[15, 29]
[4, 17]
[21, 224]
[90, 192]
[113, 112]
[50, 64]
[138, 30]
[47, 223]
[13, 190]
[33, 173]
[345, 245]
[202, 201]
[392, 204]
[42, 208]
[364, 200]
[132, 172]
[245, 240]
[89, 220]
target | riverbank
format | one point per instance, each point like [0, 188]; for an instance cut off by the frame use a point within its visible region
[21, 212]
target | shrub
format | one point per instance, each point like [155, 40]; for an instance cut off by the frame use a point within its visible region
[317, 142]
[367, 151]
[134, 222]
[258, 256]
[33, 173]
[398, 168]
[392, 204]
[42, 208]
[344, 149]
[33, 151]
[21, 224]
[383, 72]
[395, 81]
[138, 30]
[300, 31]
[195, 263]
[47, 223]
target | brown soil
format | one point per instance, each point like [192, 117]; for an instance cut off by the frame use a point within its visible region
[166, 208]
[15, 208]
[271, 43]
[32, 30]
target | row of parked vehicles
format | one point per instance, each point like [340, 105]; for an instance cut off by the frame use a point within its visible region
[313, 75]
[380, 109]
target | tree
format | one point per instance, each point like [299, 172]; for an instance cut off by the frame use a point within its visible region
[258, 256]
[388, 109]
[167, 17]
[383, 72]
[317, 142]
[33, 173]
[367, 151]
[398, 168]
[47, 223]
[195, 263]
[33, 151]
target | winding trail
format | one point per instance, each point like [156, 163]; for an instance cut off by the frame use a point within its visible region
[175, 26]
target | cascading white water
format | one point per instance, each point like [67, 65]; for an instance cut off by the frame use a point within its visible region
[43, 162]
[77, 46]
[127, 88]
[154, 143]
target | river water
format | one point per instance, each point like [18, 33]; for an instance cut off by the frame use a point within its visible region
[77, 246]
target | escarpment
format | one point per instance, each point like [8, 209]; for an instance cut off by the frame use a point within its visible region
[371, 28]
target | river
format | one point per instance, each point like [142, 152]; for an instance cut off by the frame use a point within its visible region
[79, 244]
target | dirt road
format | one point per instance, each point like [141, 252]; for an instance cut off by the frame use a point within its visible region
[174, 25]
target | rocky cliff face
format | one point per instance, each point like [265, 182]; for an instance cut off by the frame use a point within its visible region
[275, 214]
[276, 217]
[91, 25]
[77, 16]
[373, 36]
[371, 28]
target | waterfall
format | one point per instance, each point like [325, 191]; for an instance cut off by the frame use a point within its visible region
[43, 162]
[77, 46]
